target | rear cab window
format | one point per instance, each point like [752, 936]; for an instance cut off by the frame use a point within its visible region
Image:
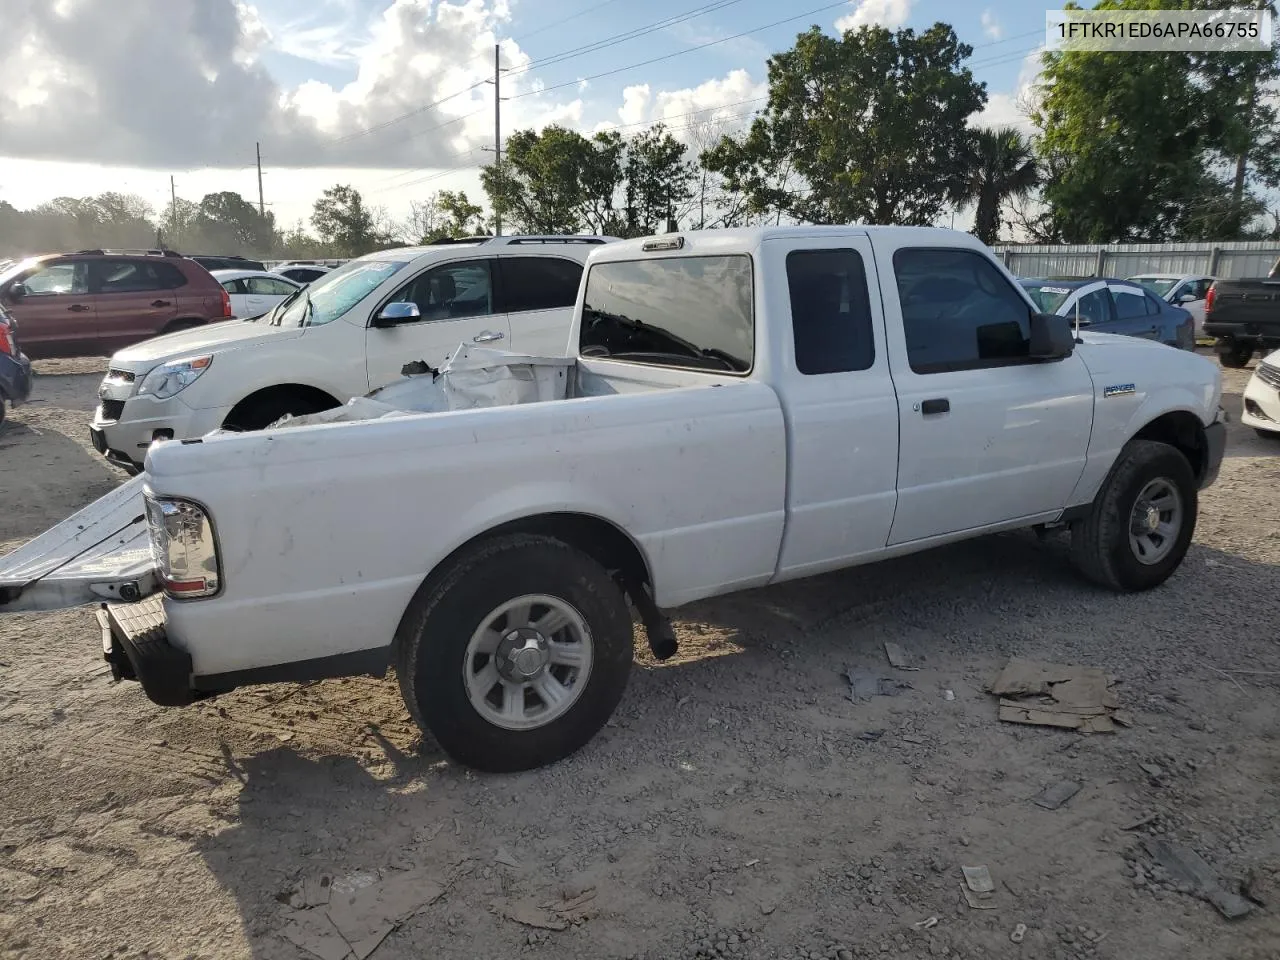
[694, 312]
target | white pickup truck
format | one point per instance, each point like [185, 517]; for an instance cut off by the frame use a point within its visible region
[745, 407]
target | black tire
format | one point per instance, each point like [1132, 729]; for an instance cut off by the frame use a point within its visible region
[261, 413]
[1100, 546]
[1235, 355]
[431, 647]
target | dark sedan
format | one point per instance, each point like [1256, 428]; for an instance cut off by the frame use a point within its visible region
[1115, 306]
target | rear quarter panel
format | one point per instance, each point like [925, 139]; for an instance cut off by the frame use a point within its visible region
[326, 532]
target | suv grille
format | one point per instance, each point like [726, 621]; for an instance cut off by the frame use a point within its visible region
[111, 410]
[1269, 374]
[120, 376]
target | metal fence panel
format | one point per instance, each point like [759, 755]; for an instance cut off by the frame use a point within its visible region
[1227, 260]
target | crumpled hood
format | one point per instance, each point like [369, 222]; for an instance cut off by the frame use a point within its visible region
[212, 338]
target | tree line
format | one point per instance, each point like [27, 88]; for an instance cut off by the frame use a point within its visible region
[875, 127]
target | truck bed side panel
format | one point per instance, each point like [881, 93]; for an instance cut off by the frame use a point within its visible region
[328, 531]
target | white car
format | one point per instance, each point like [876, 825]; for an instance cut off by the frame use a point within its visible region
[1262, 398]
[1186, 290]
[350, 331]
[742, 407]
[254, 292]
[303, 272]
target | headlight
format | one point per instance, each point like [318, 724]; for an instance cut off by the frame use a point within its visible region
[184, 548]
[170, 379]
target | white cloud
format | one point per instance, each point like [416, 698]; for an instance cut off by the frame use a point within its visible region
[708, 110]
[180, 84]
[1008, 109]
[991, 26]
[885, 13]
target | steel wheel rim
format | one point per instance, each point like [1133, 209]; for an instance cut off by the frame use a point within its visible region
[1155, 521]
[528, 662]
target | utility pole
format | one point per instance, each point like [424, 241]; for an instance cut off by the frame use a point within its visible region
[497, 126]
[262, 207]
[173, 210]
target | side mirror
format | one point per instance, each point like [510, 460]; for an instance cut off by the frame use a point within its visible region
[1182, 298]
[396, 313]
[17, 291]
[1051, 337]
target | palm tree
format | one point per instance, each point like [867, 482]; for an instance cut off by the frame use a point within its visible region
[1002, 166]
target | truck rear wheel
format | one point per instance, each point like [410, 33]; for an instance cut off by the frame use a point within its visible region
[1142, 519]
[1235, 355]
[517, 655]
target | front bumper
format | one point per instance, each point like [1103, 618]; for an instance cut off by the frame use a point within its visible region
[15, 378]
[1215, 436]
[1261, 407]
[122, 431]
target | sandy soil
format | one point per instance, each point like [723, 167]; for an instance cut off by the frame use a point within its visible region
[739, 804]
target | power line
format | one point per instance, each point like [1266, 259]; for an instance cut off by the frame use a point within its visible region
[681, 53]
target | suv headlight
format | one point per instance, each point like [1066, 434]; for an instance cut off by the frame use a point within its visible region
[184, 548]
[170, 379]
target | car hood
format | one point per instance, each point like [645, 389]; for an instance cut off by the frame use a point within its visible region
[211, 338]
[1272, 359]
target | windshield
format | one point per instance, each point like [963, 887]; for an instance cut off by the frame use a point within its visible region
[1047, 297]
[332, 295]
[1161, 285]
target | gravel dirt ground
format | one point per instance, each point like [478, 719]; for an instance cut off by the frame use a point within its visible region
[739, 804]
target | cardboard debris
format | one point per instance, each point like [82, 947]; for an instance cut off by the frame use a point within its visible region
[977, 900]
[1051, 798]
[504, 857]
[1054, 695]
[314, 891]
[1186, 867]
[978, 879]
[897, 657]
[865, 684]
[356, 922]
[553, 915]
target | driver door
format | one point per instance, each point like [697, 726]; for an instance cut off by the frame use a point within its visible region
[456, 304]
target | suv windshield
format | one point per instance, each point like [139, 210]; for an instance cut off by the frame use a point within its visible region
[333, 294]
[1161, 285]
[1047, 297]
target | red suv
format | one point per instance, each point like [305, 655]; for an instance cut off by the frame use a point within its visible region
[95, 302]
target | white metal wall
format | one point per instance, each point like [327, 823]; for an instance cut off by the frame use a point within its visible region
[1229, 261]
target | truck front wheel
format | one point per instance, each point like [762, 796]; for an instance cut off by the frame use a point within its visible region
[517, 655]
[1142, 519]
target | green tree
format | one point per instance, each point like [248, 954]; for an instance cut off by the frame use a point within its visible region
[1002, 167]
[227, 222]
[1157, 147]
[873, 122]
[537, 187]
[343, 222]
[659, 180]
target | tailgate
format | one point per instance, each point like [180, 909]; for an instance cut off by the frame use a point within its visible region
[101, 553]
[1247, 302]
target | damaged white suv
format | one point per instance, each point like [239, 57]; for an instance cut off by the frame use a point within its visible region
[350, 330]
[745, 407]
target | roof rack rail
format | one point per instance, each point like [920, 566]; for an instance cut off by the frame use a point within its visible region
[99, 252]
[515, 240]
[447, 240]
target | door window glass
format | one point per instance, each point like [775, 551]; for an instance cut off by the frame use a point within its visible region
[1095, 307]
[830, 311]
[268, 287]
[57, 279]
[1130, 303]
[451, 291]
[125, 276]
[958, 311]
[539, 283]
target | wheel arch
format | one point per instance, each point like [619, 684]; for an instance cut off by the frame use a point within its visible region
[311, 393]
[1182, 430]
[602, 540]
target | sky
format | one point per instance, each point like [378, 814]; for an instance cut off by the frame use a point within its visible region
[393, 96]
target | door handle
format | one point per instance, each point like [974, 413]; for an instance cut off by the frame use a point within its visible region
[78, 308]
[160, 303]
[487, 337]
[937, 405]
